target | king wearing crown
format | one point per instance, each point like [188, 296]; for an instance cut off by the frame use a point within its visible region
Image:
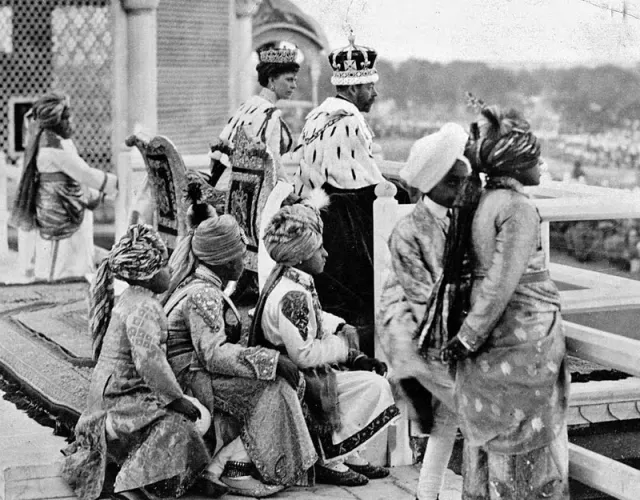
[336, 152]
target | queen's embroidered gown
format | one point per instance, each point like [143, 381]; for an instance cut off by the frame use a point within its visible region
[262, 121]
[127, 420]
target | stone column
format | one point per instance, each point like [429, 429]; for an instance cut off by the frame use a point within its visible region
[142, 66]
[136, 90]
[243, 46]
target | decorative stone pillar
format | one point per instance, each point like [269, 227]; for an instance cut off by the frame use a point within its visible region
[244, 71]
[135, 93]
[142, 67]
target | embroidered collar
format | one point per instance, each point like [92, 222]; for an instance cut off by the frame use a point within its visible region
[505, 182]
[206, 274]
[269, 95]
[300, 277]
[438, 211]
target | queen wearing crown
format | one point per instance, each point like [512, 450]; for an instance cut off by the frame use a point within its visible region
[259, 116]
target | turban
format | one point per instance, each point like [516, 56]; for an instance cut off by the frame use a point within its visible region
[46, 113]
[503, 144]
[215, 240]
[48, 110]
[138, 256]
[218, 240]
[433, 156]
[294, 233]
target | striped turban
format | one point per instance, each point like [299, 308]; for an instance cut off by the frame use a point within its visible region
[138, 256]
[293, 234]
[49, 109]
[502, 144]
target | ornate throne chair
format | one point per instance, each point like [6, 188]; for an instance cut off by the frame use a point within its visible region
[167, 180]
[253, 177]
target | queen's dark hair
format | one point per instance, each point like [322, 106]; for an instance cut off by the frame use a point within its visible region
[268, 70]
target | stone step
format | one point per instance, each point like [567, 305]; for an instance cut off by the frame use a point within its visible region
[43, 482]
[35, 482]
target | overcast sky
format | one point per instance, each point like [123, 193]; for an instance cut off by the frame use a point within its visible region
[511, 31]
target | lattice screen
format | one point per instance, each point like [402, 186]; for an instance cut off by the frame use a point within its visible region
[64, 45]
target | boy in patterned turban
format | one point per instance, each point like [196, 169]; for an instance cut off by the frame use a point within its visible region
[135, 408]
[350, 405]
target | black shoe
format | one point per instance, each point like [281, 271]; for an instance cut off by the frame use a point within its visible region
[370, 471]
[349, 477]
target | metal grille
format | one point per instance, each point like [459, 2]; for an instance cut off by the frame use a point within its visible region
[64, 45]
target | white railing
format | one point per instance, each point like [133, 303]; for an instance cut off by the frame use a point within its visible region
[597, 291]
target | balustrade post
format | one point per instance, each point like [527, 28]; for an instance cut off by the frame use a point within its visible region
[4, 211]
[546, 243]
[398, 443]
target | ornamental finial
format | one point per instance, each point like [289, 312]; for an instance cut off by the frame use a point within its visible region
[351, 37]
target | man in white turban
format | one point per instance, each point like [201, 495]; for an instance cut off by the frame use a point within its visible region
[438, 168]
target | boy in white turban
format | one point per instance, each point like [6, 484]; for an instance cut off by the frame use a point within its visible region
[438, 168]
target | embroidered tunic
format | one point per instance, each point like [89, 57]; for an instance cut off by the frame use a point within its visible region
[293, 319]
[335, 147]
[512, 394]
[60, 254]
[262, 120]
[205, 354]
[131, 386]
[417, 246]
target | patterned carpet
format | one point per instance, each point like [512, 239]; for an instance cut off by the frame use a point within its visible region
[44, 345]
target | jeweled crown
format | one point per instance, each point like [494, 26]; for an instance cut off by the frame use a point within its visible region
[353, 65]
[278, 56]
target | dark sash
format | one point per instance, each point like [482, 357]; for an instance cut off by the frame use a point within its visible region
[59, 206]
[59, 203]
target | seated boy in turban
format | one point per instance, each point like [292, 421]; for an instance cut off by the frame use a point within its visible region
[348, 403]
[136, 410]
[256, 386]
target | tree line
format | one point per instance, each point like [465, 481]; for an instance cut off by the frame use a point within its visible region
[585, 99]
